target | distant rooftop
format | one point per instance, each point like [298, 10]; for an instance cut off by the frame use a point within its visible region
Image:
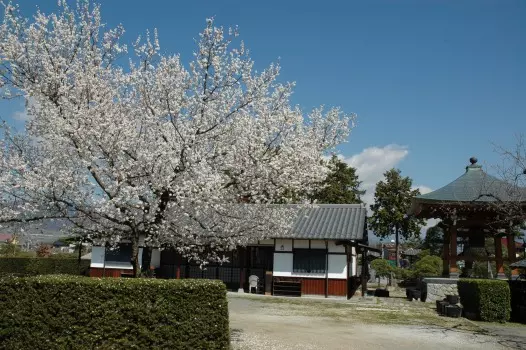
[4, 237]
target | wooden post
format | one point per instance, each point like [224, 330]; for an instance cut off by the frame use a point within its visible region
[512, 254]
[498, 257]
[364, 274]
[453, 269]
[241, 270]
[347, 248]
[268, 282]
[445, 256]
[326, 269]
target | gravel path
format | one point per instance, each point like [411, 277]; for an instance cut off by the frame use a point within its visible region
[277, 324]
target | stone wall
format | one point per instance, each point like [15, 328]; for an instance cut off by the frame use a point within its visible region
[438, 288]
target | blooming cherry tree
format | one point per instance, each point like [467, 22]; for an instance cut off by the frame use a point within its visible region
[188, 157]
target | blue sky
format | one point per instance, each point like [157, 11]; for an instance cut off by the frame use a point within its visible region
[432, 82]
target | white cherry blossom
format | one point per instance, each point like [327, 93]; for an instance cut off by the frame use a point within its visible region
[190, 157]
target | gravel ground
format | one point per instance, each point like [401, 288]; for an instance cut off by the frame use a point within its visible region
[280, 323]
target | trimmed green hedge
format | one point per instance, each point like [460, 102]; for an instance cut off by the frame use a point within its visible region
[490, 300]
[74, 312]
[43, 266]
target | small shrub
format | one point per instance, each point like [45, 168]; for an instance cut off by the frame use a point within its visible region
[429, 265]
[403, 274]
[74, 312]
[490, 300]
[382, 268]
[44, 250]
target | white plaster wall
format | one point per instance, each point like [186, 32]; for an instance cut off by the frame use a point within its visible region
[308, 275]
[97, 257]
[317, 244]
[301, 243]
[287, 246]
[156, 258]
[333, 248]
[283, 264]
[338, 266]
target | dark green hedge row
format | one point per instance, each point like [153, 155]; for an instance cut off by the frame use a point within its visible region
[43, 266]
[75, 312]
[488, 299]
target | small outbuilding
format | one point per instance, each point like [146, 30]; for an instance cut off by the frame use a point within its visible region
[317, 257]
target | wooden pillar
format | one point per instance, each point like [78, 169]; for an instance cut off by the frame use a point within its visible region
[347, 249]
[445, 255]
[512, 254]
[241, 270]
[326, 269]
[498, 257]
[453, 269]
[364, 274]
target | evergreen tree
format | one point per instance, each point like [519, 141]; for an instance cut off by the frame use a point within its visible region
[434, 240]
[341, 185]
[392, 200]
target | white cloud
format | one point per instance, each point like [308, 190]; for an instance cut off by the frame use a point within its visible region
[423, 189]
[373, 162]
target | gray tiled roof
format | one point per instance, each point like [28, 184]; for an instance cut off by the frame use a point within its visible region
[475, 186]
[330, 221]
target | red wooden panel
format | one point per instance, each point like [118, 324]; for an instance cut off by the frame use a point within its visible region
[98, 272]
[338, 287]
[94, 272]
[316, 286]
[312, 286]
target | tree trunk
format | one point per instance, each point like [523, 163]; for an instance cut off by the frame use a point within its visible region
[80, 251]
[397, 246]
[135, 255]
[146, 260]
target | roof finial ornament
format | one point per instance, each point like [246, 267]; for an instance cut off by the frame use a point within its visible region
[473, 160]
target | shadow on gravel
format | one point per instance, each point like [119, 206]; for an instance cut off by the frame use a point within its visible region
[235, 335]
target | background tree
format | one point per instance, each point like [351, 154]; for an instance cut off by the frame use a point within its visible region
[382, 268]
[177, 156]
[434, 240]
[413, 242]
[79, 241]
[341, 186]
[512, 170]
[392, 200]
[10, 249]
